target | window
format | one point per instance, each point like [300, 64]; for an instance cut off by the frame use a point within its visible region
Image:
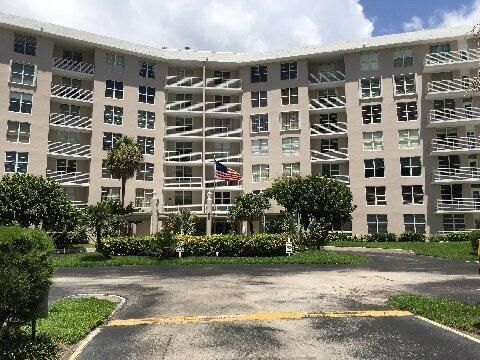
[290, 120]
[260, 147]
[68, 137]
[409, 138]
[222, 198]
[450, 192]
[183, 147]
[146, 94]
[20, 102]
[369, 61]
[73, 83]
[147, 69]
[327, 145]
[453, 222]
[143, 197]
[370, 87]
[411, 166]
[373, 141]
[114, 89]
[290, 146]
[403, 57]
[113, 115]
[439, 48]
[291, 169]
[145, 172]
[288, 70]
[106, 174]
[412, 194]
[183, 198]
[405, 84]
[375, 195]
[220, 77]
[72, 55]
[449, 162]
[16, 162]
[18, 132]
[146, 119]
[22, 74]
[66, 166]
[414, 223]
[289, 96]
[377, 223]
[110, 140]
[259, 98]
[258, 74]
[24, 44]
[115, 62]
[260, 173]
[407, 111]
[146, 145]
[374, 168]
[183, 171]
[110, 193]
[259, 123]
[328, 124]
[441, 76]
[330, 170]
[67, 109]
[372, 114]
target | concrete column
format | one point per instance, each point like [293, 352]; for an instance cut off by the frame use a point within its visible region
[154, 216]
[209, 213]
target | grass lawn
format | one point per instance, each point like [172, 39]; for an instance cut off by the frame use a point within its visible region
[451, 250]
[306, 257]
[456, 314]
[70, 320]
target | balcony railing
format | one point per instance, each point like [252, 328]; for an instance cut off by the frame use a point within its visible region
[220, 208]
[180, 182]
[66, 178]
[211, 107]
[184, 81]
[448, 86]
[319, 130]
[182, 130]
[71, 121]
[223, 156]
[184, 106]
[175, 156]
[197, 208]
[342, 178]
[219, 83]
[329, 155]
[72, 93]
[326, 77]
[79, 203]
[463, 144]
[219, 107]
[458, 205]
[463, 174]
[222, 184]
[72, 65]
[331, 102]
[62, 148]
[452, 116]
[451, 57]
[222, 132]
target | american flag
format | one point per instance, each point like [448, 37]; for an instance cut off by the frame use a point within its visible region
[224, 173]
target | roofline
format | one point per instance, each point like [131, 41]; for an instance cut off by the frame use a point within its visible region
[197, 57]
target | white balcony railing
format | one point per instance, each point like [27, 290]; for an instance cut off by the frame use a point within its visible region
[326, 77]
[187, 182]
[222, 132]
[220, 208]
[448, 86]
[223, 156]
[451, 57]
[79, 203]
[72, 93]
[458, 205]
[62, 148]
[181, 130]
[197, 208]
[328, 129]
[73, 178]
[451, 116]
[342, 178]
[184, 106]
[463, 144]
[219, 107]
[184, 81]
[71, 121]
[175, 156]
[222, 184]
[463, 174]
[331, 102]
[219, 83]
[72, 65]
[329, 155]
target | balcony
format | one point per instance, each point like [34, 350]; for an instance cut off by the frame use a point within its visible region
[184, 84]
[456, 88]
[72, 95]
[327, 105]
[69, 179]
[329, 156]
[328, 130]
[68, 150]
[220, 208]
[182, 182]
[219, 86]
[456, 175]
[196, 208]
[342, 178]
[223, 184]
[459, 205]
[81, 123]
[453, 60]
[454, 117]
[217, 109]
[326, 79]
[176, 157]
[223, 133]
[78, 69]
[455, 145]
[224, 157]
[182, 132]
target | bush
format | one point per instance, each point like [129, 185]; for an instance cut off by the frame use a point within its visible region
[19, 345]
[474, 238]
[160, 245]
[457, 236]
[25, 273]
[341, 236]
[411, 237]
[389, 237]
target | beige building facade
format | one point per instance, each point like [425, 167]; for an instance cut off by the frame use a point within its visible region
[391, 116]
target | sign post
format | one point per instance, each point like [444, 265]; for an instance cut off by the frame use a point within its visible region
[289, 247]
[180, 248]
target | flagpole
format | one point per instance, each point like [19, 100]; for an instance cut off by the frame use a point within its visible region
[214, 187]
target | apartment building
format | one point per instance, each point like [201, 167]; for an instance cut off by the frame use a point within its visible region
[393, 117]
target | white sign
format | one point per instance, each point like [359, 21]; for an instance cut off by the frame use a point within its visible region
[180, 248]
[289, 247]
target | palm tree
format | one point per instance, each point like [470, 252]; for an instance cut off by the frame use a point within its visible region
[123, 160]
[183, 222]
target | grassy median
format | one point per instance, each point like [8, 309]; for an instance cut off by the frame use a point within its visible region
[460, 315]
[305, 257]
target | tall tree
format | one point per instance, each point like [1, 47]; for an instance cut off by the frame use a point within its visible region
[123, 160]
[249, 207]
[182, 222]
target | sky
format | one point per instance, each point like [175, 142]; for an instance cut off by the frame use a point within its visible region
[246, 25]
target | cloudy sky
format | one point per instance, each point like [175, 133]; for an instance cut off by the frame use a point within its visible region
[246, 25]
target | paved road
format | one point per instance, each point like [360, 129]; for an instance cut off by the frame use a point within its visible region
[229, 289]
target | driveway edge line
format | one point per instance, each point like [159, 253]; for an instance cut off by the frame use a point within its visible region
[448, 328]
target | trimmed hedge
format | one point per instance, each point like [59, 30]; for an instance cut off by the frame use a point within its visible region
[405, 237]
[161, 245]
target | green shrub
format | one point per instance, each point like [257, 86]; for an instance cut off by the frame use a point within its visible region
[411, 237]
[25, 273]
[436, 238]
[457, 236]
[474, 238]
[19, 345]
[380, 237]
[341, 236]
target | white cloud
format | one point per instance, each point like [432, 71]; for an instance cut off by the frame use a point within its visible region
[222, 25]
[414, 24]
